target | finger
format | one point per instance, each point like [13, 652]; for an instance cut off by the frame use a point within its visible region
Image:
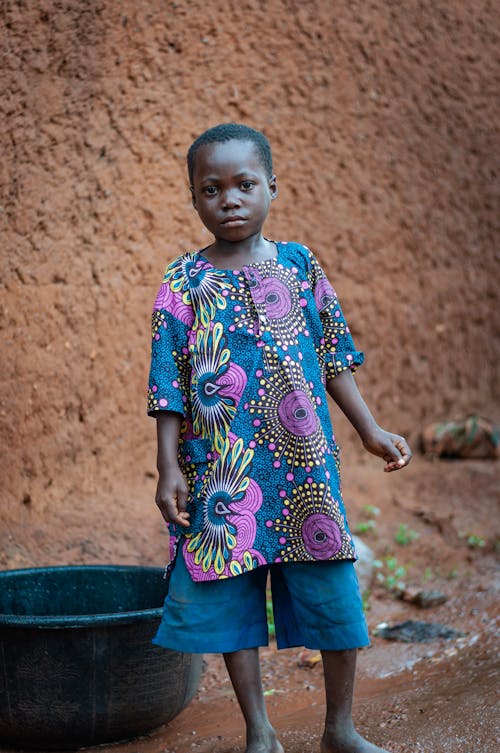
[392, 456]
[399, 457]
[182, 498]
[404, 449]
[171, 513]
[180, 517]
[393, 465]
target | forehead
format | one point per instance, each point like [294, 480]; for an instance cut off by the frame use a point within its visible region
[227, 158]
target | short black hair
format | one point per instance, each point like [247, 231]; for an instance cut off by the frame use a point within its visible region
[229, 132]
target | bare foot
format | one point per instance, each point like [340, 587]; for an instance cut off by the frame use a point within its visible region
[265, 743]
[263, 748]
[347, 741]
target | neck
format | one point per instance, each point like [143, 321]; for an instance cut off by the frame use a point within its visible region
[253, 248]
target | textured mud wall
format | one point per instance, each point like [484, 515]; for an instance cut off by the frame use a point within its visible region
[382, 117]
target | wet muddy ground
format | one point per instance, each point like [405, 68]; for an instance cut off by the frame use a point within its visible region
[444, 704]
[437, 697]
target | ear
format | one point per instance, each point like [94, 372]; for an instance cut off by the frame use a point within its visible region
[193, 199]
[273, 187]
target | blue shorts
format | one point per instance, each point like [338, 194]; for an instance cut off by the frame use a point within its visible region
[315, 604]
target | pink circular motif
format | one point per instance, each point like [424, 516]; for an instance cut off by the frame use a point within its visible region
[233, 382]
[321, 535]
[297, 414]
[276, 297]
[324, 294]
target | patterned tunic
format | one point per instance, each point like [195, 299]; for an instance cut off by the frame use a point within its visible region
[244, 356]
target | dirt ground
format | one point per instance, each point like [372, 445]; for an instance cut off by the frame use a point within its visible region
[383, 121]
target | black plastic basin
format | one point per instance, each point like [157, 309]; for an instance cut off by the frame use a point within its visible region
[77, 666]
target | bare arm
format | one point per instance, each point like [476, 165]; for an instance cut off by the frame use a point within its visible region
[391, 447]
[172, 489]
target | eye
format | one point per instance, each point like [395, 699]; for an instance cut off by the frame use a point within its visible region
[247, 185]
[210, 190]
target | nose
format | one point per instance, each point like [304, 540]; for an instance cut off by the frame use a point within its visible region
[230, 199]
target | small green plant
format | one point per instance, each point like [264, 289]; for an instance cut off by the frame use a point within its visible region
[428, 573]
[472, 540]
[365, 600]
[391, 573]
[475, 542]
[368, 526]
[365, 526]
[405, 535]
[270, 615]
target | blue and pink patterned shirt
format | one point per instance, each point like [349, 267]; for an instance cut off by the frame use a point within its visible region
[244, 356]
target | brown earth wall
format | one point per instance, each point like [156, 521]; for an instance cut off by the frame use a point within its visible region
[382, 116]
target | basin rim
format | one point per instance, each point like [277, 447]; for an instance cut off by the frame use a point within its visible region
[78, 620]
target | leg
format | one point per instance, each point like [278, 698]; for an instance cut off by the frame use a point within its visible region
[339, 735]
[244, 671]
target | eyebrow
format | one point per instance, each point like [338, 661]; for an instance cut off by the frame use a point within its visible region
[243, 173]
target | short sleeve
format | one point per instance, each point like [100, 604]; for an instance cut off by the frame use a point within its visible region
[169, 375]
[336, 350]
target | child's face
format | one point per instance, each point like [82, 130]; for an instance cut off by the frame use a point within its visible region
[231, 190]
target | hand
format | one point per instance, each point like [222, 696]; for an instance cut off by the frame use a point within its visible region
[172, 496]
[391, 447]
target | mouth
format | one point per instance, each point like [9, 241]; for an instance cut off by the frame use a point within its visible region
[233, 219]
